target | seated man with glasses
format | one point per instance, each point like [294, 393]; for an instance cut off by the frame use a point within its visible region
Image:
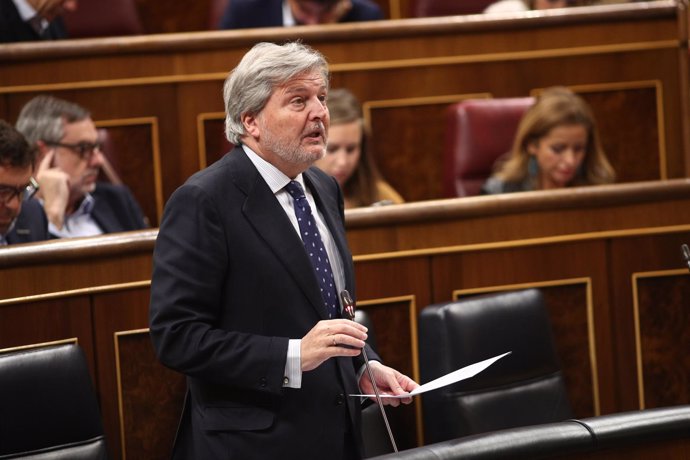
[22, 219]
[70, 159]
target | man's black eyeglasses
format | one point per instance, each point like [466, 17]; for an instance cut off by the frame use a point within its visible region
[83, 149]
[8, 193]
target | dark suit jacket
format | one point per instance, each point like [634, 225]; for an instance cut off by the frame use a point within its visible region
[31, 224]
[14, 29]
[231, 284]
[116, 209]
[244, 14]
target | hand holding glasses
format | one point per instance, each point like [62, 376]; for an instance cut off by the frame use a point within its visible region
[25, 192]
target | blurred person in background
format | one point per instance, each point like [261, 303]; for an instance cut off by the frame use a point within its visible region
[22, 219]
[70, 160]
[30, 20]
[348, 158]
[244, 14]
[557, 145]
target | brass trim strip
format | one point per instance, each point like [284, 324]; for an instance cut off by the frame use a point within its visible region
[505, 56]
[570, 238]
[412, 312]
[636, 316]
[155, 145]
[201, 118]
[369, 106]
[75, 292]
[587, 281]
[73, 340]
[357, 66]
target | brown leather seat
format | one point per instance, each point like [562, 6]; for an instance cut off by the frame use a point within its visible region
[478, 132]
[427, 8]
[104, 18]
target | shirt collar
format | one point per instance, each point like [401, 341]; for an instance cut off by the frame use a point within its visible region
[273, 176]
[288, 18]
[25, 10]
[85, 207]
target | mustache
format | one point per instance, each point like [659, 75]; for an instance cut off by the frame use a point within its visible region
[317, 128]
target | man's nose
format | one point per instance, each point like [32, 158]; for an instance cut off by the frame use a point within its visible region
[318, 109]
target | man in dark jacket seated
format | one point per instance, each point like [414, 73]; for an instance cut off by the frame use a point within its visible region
[22, 219]
[70, 159]
[244, 14]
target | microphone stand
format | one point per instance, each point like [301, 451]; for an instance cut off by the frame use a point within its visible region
[349, 309]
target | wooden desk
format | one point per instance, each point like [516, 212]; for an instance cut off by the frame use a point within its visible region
[160, 95]
[607, 259]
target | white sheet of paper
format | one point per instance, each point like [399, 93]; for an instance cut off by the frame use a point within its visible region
[448, 379]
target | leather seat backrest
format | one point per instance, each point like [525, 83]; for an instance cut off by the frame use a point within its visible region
[428, 8]
[523, 388]
[478, 132]
[48, 407]
[104, 18]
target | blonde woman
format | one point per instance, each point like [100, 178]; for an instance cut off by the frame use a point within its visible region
[556, 145]
[347, 157]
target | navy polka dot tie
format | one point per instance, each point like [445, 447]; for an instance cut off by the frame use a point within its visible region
[315, 248]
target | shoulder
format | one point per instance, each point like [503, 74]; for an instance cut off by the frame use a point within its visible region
[31, 225]
[363, 10]
[494, 186]
[241, 14]
[387, 193]
[106, 190]
[506, 6]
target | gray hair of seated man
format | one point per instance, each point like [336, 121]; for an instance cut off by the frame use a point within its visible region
[44, 118]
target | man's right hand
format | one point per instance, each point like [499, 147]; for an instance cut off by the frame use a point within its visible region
[329, 338]
[53, 189]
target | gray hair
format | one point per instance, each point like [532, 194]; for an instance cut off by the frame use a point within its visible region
[264, 68]
[43, 118]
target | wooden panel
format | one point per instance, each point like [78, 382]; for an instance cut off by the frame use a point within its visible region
[149, 422]
[134, 157]
[214, 141]
[391, 292]
[54, 319]
[578, 322]
[121, 310]
[663, 330]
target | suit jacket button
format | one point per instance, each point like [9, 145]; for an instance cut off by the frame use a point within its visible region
[340, 399]
[262, 382]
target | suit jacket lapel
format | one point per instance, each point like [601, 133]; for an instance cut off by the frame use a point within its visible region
[266, 215]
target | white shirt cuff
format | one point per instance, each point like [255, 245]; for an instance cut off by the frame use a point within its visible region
[293, 365]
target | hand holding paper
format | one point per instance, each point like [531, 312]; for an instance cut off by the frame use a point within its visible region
[448, 379]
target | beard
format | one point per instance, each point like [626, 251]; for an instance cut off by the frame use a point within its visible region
[291, 150]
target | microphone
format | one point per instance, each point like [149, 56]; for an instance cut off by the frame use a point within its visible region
[686, 254]
[349, 310]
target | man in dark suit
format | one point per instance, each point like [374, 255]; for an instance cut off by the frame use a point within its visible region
[22, 219]
[70, 161]
[29, 20]
[235, 301]
[244, 14]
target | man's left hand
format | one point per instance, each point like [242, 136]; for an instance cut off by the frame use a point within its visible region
[389, 381]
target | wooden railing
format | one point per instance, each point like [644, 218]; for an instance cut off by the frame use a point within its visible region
[607, 259]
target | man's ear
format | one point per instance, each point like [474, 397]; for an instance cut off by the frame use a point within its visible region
[251, 125]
